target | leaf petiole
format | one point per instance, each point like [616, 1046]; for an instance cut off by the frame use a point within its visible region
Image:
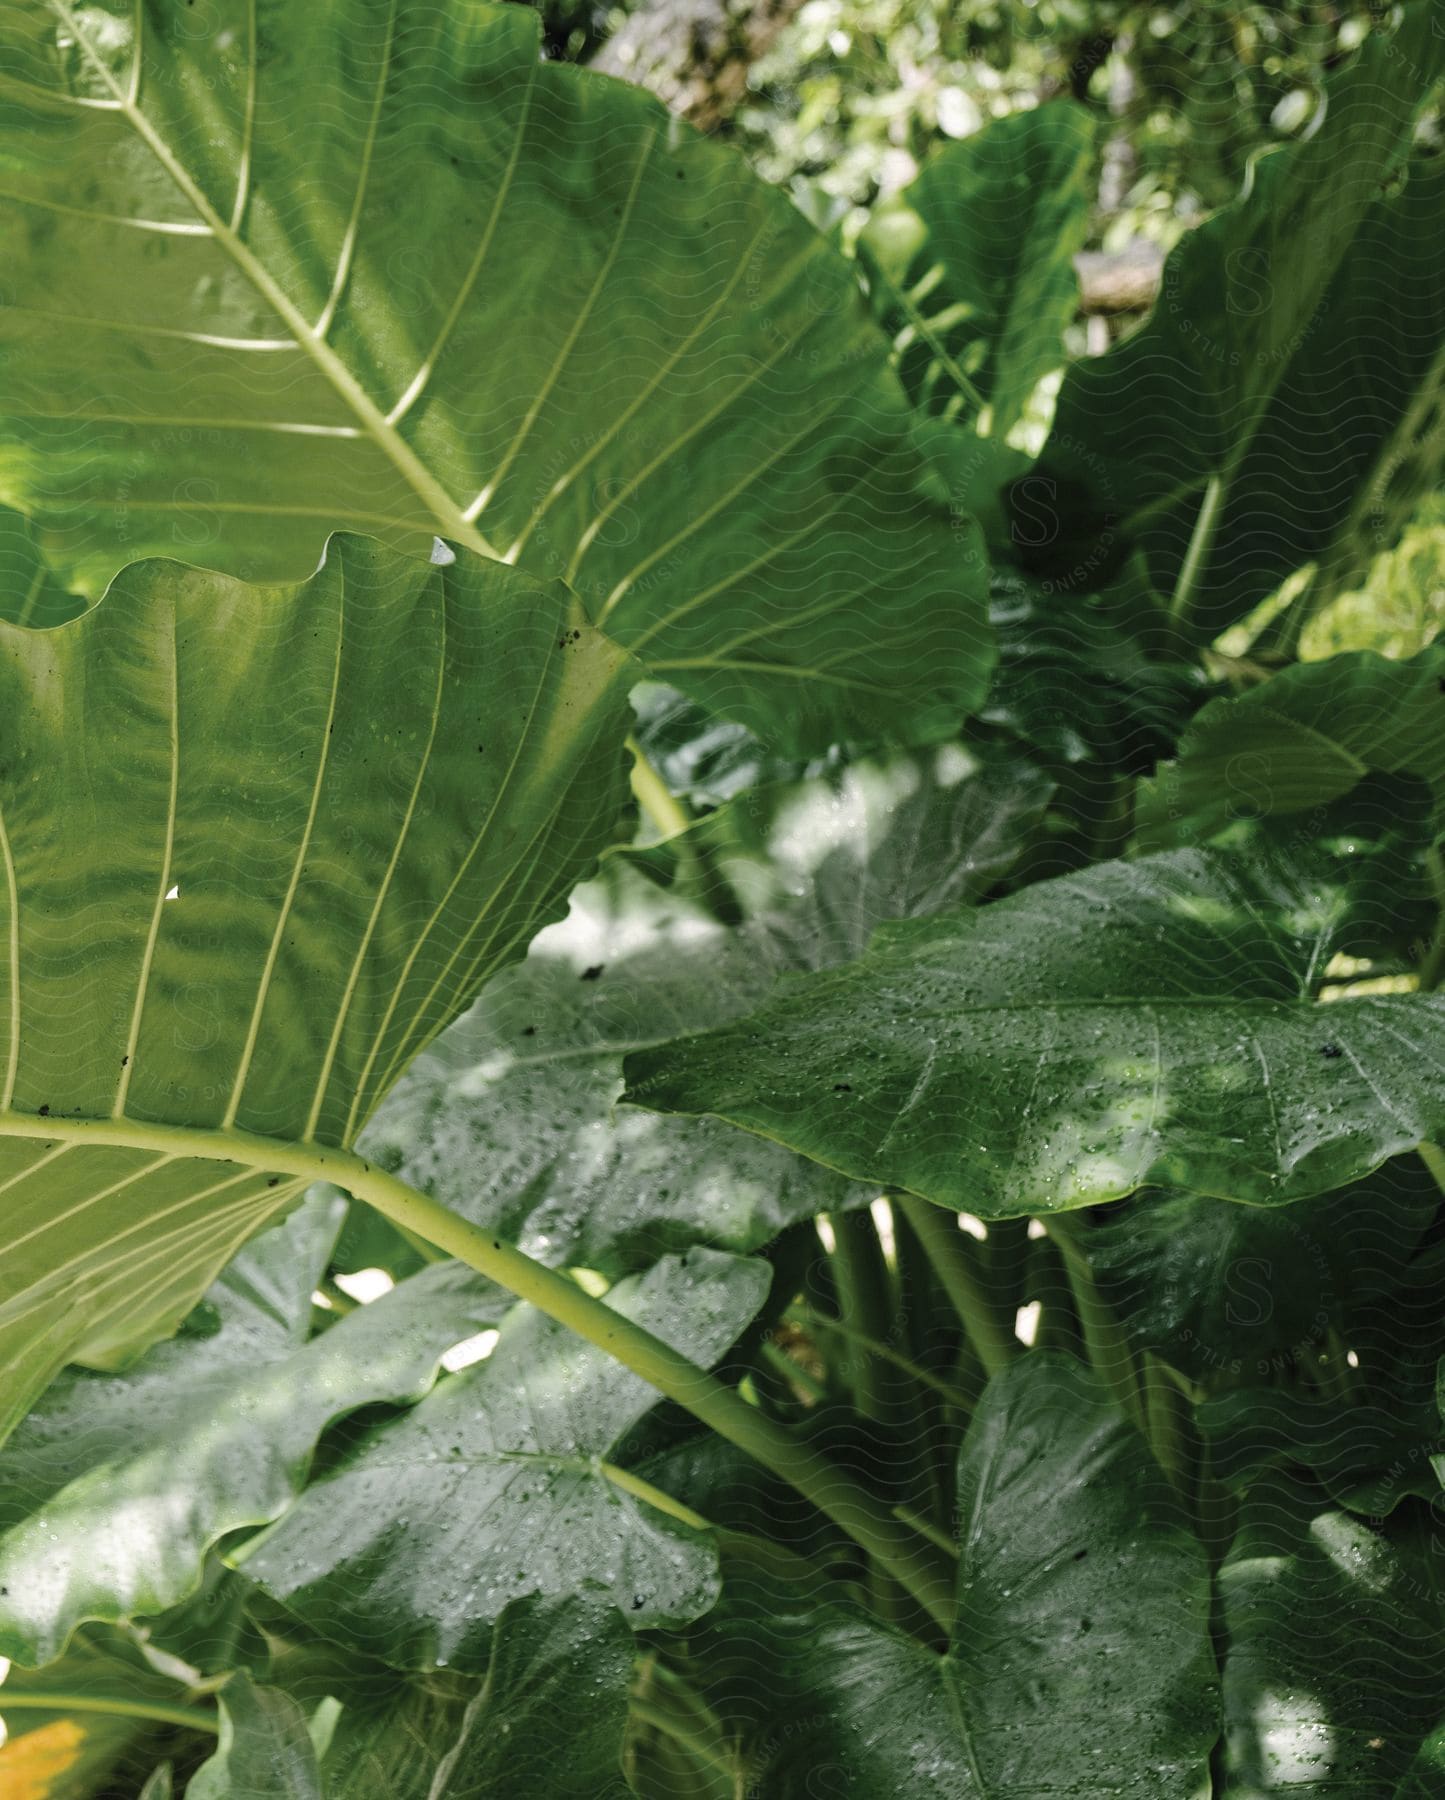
[913, 1563]
[189, 1717]
[947, 1251]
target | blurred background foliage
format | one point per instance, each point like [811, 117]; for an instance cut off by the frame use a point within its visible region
[841, 101]
[852, 94]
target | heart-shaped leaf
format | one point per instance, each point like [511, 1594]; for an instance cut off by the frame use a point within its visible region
[1140, 1023]
[1235, 1291]
[258, 847]
[112, 1490]
[503, 1482]
[972, 264]
[1080, 1659]
[266, 1750]
[1301, 740]
[1280, 405]
[1336, 1648]
[383, 267]
[547, 1721]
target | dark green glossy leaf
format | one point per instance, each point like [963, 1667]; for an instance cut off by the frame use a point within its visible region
[509, 1118]
[1140, 1023]
[1302, 740]
[547, 1722]
[112, 1490]
[1355, 431]
[266, 1750]
[1426, 1776]
[261, 845]
[502, 1483]
[1076, 682]
[1336, 1647]
[1080, 1659]
[1223, 1291]
[383, 267]
[972, 264]
[1367, 1430]
[1280, 361]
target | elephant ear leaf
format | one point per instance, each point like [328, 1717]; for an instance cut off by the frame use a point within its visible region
[517, 1457]
[1335, 1653]
[522, 1731]
[266, 1750]
[1281, 404]
[1152, 1022]
[972, 264]
[1079, 1661]
[370, 789]
[384, 267]
[1302, 740]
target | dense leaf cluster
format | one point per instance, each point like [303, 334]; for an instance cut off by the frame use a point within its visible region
[693, 1100]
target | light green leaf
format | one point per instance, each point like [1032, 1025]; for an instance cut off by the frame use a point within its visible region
[1293, 361]
[112, 1490]
[509, 1118]
[266, 1752]
[259, 846]
[503, 1482]
[158, 1787]
[382, 267]
[1147, 1022]
[1301, 740]
[547, 1722]
[30, 591]
[972, 264]
[1080, 1659]
[1336, 1648]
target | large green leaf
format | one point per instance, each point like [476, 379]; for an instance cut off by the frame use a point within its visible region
[1303, 739]
[1080, 1659]
[547, 1722]
[1336, 1648]
[1293, 358]
[509, 1118]
[114, 1487]
[972, 264]
[1368, 1431]
[266, 1750]
[503, 1482]
[380, 266]
[259, 846]
[1147, 1022]
[1075, 681]
[1223, 1291]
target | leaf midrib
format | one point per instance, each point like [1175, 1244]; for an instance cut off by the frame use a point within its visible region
[445, 511]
